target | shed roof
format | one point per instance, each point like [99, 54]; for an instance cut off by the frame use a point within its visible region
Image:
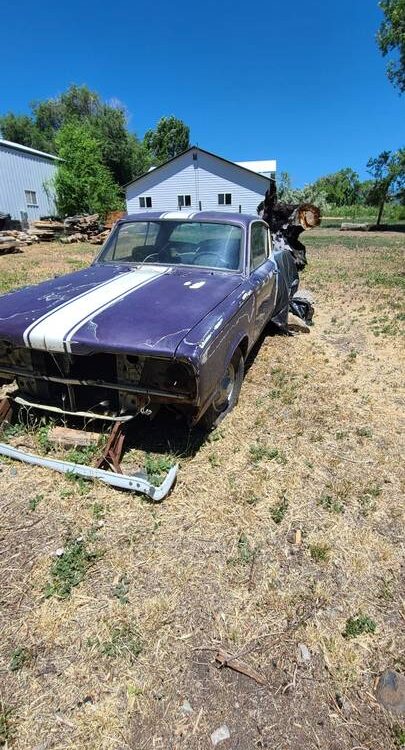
[20, 147]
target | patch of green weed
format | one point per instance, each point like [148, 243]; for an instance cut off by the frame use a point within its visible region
[84, 455]
[398, 734]
[5, 729]
[124, 642]
[34, 502]
[360, 625]
[215, 435]
[364, 432]
[20, 657]
[120, 591]
[332, 504]
[284, 385]
[42, 435]
[319, 552]
[81, 484]
[367, 499]
[381, 278]
[98, 511]
[245, 553]
[258, 452]
[69, 569]
[214, 461]
[278, 511]
[157, 468]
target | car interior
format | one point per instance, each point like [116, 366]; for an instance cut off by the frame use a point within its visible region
[222, 252]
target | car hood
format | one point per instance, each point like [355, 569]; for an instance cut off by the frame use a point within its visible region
[108, 308]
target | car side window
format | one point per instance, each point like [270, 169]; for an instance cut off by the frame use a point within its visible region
[259, 245]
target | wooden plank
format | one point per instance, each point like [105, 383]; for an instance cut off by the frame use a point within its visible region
[347, 227]
[67, 437]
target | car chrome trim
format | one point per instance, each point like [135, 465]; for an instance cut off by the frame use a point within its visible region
[134, 482]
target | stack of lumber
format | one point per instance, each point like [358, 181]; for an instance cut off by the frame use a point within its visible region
[9, 245]
[45, 230]
[11, 240]
[99, 239]
[112, 217]
[86, 226]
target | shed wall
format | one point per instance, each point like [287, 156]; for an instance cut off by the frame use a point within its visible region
[21, 171]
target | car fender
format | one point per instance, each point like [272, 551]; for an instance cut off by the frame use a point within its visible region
[211, 344]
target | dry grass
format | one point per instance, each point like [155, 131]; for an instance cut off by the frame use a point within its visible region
[314, 444]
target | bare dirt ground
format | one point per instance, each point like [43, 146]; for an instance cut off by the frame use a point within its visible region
[314, 444]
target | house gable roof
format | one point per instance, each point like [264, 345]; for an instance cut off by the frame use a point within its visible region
[202, 151]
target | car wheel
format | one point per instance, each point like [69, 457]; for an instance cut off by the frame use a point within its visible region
[227, 394]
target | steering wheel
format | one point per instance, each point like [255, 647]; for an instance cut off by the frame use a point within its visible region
[168, 253]
[151, 255]
[207, 254]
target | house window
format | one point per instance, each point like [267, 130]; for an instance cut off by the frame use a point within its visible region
[183, 200]
[31, 198]
[145, 202]
[224, 199]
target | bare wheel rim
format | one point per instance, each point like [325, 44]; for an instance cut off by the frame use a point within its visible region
[225, 390]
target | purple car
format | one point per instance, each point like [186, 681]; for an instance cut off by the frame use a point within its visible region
[166, 314]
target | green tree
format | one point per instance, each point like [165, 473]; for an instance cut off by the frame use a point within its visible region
[140, 157]
[83, 183]
[124, 155]
[388, 172]
[171, 137]
[122, 152]
[109, 127]
[340, 188]
[310, 193]
[22, 129]
[391, 38]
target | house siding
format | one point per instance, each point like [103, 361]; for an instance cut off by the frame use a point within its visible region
[21, 171]
[203, 179]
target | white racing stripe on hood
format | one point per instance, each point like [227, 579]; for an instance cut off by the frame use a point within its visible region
[54, 331]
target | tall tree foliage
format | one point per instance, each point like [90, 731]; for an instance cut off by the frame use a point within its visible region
[122, 153]
[83, 183]
[99, 132]
[388, 172]
[310, 193]
[341, 188]
[171, 137]
[391, 39]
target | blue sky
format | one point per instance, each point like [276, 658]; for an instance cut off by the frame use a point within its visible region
[300, 82]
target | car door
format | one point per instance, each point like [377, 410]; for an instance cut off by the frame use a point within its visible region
[262, 275]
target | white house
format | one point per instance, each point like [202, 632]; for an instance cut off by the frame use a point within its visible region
[202, 181]
[26, 176]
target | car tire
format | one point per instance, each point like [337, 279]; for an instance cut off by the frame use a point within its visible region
[227, 394]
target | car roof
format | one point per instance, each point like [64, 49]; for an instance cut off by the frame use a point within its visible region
[222, 216]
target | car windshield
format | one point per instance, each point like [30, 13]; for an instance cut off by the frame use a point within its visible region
[187, 243]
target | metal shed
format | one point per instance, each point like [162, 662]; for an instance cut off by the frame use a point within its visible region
[26, 181]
